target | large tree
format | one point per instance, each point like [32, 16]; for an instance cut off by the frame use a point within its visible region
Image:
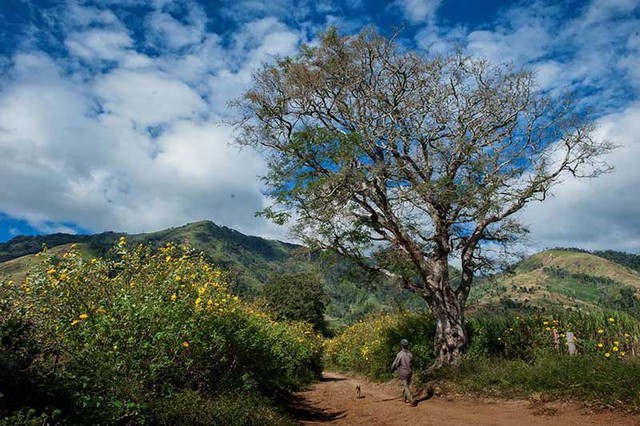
[425, 158]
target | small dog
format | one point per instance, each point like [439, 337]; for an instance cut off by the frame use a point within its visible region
[359, 394]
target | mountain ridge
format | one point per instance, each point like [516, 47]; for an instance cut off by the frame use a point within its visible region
[249, 259]
[553, 279]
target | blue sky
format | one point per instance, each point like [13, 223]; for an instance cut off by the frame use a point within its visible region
[112, 112]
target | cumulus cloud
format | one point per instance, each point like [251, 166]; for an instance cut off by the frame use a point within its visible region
[167, 31]
[136, 145]
[98, 44]
[599, 213]
[417, 11]
[147, 98]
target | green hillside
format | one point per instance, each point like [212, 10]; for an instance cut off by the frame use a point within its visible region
[561, 279]
[564, 279]
[248, 260]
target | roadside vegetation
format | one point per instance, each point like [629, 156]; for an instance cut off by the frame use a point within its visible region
[514, 356]
[144, 337]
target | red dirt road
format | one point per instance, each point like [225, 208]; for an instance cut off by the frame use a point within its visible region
[333, 401]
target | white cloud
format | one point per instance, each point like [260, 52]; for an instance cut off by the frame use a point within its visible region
[99, 44]
[418, 10]
[258, 42]
[147, 97]
[601, 213]
[133, 147]
[174, 34]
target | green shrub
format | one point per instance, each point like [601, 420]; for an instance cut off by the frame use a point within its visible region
[586, 378]
[515, 355]
[370, 345]
[297, 297]
[118, 336]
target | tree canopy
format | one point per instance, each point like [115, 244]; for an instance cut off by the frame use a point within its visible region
[371, 147]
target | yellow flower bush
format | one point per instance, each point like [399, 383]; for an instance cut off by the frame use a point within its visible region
[369, 345]
[128, 331]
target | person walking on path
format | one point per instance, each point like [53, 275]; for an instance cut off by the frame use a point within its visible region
[403, 363]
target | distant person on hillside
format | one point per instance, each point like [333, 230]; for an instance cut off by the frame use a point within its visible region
[403, 363]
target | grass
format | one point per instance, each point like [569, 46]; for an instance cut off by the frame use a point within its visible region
[598, 382]
[17, 269]
[575, 289]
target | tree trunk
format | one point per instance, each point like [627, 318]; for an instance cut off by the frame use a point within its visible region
[451, 336]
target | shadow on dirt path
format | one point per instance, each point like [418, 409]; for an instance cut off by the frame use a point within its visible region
[303, 410]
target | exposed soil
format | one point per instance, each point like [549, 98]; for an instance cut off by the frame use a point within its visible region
[334, 400]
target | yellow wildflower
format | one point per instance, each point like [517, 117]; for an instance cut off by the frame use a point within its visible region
[74, 322]
[622, 353]
[600, 331]
[168, 259]
[83, 316]
[198, 300]
[546, 323]
[612, 320]
[615, 349]
[616, 343]
[173, 297]
[185, 344]
[607, 354]
[600, 345]
[548, 329]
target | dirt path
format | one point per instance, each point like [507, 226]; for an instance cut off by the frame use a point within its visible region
[333, 400]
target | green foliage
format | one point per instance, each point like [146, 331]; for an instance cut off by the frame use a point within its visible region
[248, 260]
[297, 297]
[369, 346]
[29, 417]
[119, 337]
[511, 355]
[597, 380]
[629, 260]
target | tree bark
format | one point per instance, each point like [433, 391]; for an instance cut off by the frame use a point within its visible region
[451, 335]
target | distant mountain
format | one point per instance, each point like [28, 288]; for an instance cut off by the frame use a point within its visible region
[561, 279]
[248, 259]
[550, 280]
